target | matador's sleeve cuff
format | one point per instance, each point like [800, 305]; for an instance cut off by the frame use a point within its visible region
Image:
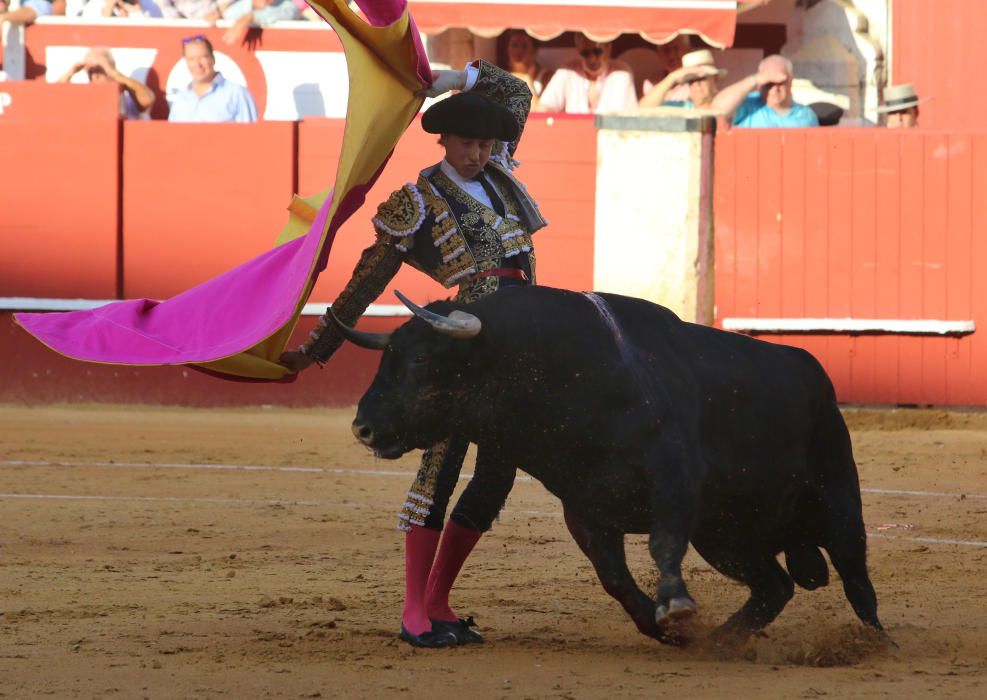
[472, 74]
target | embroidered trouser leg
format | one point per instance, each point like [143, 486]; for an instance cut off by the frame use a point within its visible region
[430, 493]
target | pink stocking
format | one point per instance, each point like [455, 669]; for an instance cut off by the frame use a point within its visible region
[419, 550]
[457, 543]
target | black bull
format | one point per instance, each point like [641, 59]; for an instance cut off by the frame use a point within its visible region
[640, 423]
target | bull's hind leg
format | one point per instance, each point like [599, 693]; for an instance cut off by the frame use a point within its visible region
[770, 585]
[673, 506]
[605, 549]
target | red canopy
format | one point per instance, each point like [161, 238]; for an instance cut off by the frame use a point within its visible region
[657, 21]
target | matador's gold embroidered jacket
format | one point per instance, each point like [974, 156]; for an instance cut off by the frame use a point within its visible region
[436, 227]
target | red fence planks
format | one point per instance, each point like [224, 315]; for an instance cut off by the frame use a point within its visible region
[725, 203]
[959, 255]
[200, 199]
[883, 224]
[939, 68]
[887, 259]
[791, 215]
[58, 205]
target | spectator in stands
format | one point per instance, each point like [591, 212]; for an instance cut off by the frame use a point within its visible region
[209, 97]
[900, 107]
[256, 13]
[700, 76]
[136, 98]
[592, 83]
[764, 100]
[207, 10]
[121, 8]
[522, 63]
[30, 10]
[306, 11]
[670, 55]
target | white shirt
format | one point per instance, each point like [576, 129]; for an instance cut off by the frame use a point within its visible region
[471, 187]
[569, 90]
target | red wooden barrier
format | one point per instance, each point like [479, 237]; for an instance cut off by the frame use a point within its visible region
[866, 223]
[58, 203]
[199, 199]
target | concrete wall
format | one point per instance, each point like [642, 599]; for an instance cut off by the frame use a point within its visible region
[648, 213]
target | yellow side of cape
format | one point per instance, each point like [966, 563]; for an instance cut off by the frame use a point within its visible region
[382, 67]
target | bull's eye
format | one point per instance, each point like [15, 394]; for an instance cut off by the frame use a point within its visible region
[419, 361]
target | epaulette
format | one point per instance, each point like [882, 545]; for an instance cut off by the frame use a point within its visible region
[403, 212]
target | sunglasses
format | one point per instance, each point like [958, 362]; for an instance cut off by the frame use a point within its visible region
[190, 39]
[586, 53]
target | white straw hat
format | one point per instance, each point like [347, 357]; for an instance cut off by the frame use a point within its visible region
[900, 97]
[702, 62]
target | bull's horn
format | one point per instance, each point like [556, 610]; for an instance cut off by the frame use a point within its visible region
[458, 324]
[370, 341]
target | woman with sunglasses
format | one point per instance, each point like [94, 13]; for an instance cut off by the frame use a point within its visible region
[590, 84]
[522, 62]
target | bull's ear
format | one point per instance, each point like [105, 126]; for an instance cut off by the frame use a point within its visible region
[370, 341]
[458, 324]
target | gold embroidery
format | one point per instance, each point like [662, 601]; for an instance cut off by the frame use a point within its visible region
[402, 214]
[419, 500]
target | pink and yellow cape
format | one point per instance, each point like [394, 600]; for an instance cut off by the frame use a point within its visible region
[237, 324]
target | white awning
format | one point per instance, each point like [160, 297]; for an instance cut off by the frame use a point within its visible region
[658, 21]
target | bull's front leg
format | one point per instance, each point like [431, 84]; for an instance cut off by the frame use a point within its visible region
[605, 549]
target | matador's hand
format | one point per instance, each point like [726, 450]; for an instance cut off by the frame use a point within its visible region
[295, 361]
[443, 81]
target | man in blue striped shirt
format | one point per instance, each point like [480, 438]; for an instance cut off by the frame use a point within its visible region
[209, 97]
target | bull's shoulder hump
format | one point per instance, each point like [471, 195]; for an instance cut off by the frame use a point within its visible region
[402, 213]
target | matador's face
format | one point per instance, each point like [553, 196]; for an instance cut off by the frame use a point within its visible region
[467, 155]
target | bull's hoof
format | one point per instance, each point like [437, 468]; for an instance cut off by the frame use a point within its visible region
[673, 620]
[676, 609]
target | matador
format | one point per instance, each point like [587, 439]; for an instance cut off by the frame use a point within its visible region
[466, 222]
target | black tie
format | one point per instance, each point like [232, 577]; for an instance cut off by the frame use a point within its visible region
[495, 199]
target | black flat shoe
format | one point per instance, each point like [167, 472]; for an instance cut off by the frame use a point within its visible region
[428, 640]
[459, 629]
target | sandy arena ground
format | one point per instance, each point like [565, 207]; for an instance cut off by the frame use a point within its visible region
[151, 552]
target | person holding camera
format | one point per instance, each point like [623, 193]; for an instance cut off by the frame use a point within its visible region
[136, 98]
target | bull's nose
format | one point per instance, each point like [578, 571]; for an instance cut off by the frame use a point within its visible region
[363, 432]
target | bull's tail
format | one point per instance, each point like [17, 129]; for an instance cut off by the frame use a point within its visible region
[806, 565]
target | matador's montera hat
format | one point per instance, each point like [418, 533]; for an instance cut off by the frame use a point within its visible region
[471, 116]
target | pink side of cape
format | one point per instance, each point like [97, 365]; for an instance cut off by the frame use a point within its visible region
[229, 313]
